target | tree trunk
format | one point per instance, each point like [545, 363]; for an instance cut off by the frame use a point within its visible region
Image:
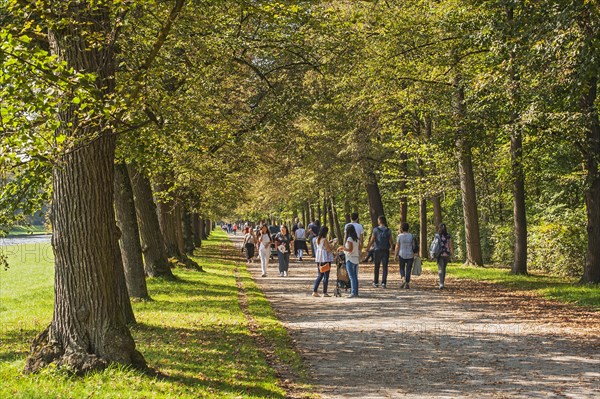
[197, 229]
[188, 233]
[329, 213]
[519, 265]
[467, 178]
[179, 229]
[423, 228]
[374, 198]
[336, 222]
[591, 272]
[207, 228]
[347, 211]
[203, 229]
[131, 249]
[325, 212]
[153, 246]
[319, 216]
[89, 325]
[168, 223]
[403, 182]
[436, 201]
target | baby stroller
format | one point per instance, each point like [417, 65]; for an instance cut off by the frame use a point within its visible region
[343, 280]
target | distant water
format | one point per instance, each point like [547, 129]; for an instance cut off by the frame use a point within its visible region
[31, 239]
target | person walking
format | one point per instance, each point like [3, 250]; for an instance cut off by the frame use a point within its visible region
[382, 238]
[264, 248]
[350, 248]
[234, 228]
[322, 258]
[249, 244]
[314, 227]
[447, 251]
[406, 250]
[300, 241]
[283, 240]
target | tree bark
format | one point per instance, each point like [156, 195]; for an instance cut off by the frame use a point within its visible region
[467, 177]
[423, 228]
[179, 226]
[207, 228]
[131, 249]
[436, 201]
[374, 198]
[188, 233]
[167, 220]
[89, 325]
[326, 212]
[153, 246]
[336, 222]
[197, 229]
[519, 265]
[203, 229]
[591, 272]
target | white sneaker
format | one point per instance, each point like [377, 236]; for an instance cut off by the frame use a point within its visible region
[284, 274]
[280, 274]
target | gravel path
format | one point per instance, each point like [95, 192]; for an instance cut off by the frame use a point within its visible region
[472, 340]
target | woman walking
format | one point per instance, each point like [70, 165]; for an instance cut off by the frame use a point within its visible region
[249, 244]
[406, 249]
[447, 250]
[282, 243]
[322, 257]
[300, 241]
[264, 248]
[351, 249]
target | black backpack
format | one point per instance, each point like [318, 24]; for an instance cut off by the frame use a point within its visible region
[382, 239]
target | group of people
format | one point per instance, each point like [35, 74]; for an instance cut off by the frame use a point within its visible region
[381, 242]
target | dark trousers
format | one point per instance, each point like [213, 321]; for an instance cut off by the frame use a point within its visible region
[324, 277]
[381, 258]
[406, 268]
[442, 262]
[249, 251]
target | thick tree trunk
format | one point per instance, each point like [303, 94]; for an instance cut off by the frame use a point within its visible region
[436, 201]
[207, 228]
[197, 229]
[374, 198]
[467, 178]
[591, 273]
[131, 249]
[153, 246]
[167, 220]
[179, 229]
[89, 325]
[203, 229]
[188, 233]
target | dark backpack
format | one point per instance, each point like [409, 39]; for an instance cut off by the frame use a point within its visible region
[382, 238]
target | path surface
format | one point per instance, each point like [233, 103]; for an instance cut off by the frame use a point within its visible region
[426, 343]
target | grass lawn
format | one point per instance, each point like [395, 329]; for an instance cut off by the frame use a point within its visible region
[27, 230]
[194, 332]
[550, 287]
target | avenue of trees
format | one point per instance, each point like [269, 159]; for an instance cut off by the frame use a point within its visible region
[143, 121]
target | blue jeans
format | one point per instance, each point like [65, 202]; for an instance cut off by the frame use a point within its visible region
[381, 258]
[324, 277]
[284, 261]
[352, 269]
[442, 262]
[406, 268]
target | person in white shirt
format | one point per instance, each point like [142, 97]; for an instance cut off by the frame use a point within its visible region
[360, 231]
[300, 241]
[350, 249]
[264, 248]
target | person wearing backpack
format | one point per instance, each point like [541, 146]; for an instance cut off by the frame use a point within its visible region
[441, 250]
[406, 249]
[382, 238]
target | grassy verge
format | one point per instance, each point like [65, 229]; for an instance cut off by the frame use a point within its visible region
[27, 230]
[194, 332]
[550, 287]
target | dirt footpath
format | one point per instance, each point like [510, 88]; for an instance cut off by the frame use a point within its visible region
[471, 340]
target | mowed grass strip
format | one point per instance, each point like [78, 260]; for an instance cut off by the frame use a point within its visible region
[550, 287]
[193, 332]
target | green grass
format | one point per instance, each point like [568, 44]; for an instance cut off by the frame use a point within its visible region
[27, 230]
[550, 287]
[194, 332]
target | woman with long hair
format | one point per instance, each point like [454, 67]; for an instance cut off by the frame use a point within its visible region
[300, 241]
[264, 248]
[446, 253]
[351, 249]
[405, 251]
[322, 251]
[249, 244]
[282, 243]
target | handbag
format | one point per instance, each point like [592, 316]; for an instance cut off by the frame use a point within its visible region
[325, 268]
[417, 266]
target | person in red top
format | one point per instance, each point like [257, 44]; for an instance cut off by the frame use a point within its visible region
[234, 228]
